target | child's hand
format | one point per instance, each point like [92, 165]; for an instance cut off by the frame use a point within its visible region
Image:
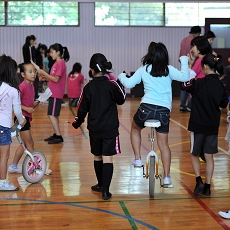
[30, 110]
[24, 122]
[74, 124]
[41, 104]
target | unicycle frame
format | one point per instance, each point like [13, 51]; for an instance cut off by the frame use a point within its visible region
[152, 163]
[34, 167]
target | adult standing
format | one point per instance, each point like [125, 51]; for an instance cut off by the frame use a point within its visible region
[185, 48]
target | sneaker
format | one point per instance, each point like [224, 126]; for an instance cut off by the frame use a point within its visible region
[188, 110]
[137, 163]
[50, 138]
[56, 140]
[167, 182]
[225, 215]
[6, 186]
[96, 188]
[183, 110]
[199, 188]
[14, 169]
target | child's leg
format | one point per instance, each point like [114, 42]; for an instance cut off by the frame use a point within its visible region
[29, 143]
[98, 167]
[107, 176]
[4, 156]
[195, 164]
[55, 123]
[209, 167]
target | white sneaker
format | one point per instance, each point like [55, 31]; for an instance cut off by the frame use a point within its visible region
[225, 215]
[6, 186]
[137, 163]
[167, 182]
[14, 170]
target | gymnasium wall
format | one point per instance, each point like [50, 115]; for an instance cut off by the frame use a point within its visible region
[123, 46]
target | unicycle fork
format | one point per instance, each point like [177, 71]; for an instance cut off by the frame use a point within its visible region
[152, 160]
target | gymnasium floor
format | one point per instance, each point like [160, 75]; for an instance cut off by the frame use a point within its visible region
[64, 200]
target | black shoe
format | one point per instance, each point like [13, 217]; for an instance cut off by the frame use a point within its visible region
[206, 190]
[198, 189]
[96, 188]
[56, 140]
[50, 138]
[106, 196]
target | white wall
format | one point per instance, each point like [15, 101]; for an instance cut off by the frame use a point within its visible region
[123, 46]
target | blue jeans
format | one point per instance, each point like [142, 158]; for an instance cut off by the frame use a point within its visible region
[184, 96]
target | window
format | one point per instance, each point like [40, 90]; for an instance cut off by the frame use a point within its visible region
[2, 13]
[157, 14]
[29, 13]
[128, 14]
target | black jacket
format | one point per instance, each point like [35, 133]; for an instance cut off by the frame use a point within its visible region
[99, 99]
[208, 96]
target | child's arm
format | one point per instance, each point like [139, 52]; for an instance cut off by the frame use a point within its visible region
[18, 113]
[27, 109]
[48, 77]
[189, 86]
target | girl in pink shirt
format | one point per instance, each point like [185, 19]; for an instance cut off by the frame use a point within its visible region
[9, 103]
[28, 72]
[56, 83]
[74, 84]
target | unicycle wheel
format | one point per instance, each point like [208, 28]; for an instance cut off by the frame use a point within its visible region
[29, 172]
[152, 165]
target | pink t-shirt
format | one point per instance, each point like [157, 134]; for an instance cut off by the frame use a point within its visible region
[185, 45]
[58, 88]
[111, 77]
[197, 68]
[74, 85]
[27, 97]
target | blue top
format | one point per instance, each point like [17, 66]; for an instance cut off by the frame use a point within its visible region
[47, 63]
[157, 90]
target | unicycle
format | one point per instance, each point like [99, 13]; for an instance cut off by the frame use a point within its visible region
[152, 159]
[34, 164]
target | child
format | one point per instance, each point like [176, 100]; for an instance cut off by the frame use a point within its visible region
[208, 96]
[99, 100]
[157, 76]
[9, 102]
[28, 72]
[57, 82]
[75, 83]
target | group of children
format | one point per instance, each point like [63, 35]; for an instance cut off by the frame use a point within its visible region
[99, 100]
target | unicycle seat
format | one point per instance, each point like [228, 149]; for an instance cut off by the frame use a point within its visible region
[152, 123]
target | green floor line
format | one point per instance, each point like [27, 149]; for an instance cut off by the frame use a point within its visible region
[125, 210]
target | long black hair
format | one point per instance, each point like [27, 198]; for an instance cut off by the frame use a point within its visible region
[63, 51]
[8, 70]
[157, 56]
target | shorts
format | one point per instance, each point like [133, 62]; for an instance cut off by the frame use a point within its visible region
[54, 106]
[203, 143]
[26, 126]
[148, 111]
[105, 146]
[5, 136]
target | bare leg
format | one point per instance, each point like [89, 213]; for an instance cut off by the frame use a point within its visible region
[195, 165]
[209, 167]
[29, 143]
[4, 153]
[136, 140]
[162, 141]
[55, 123]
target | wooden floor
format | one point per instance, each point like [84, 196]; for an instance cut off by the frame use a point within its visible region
[64, 200]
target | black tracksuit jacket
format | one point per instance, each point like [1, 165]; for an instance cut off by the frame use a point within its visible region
[208, 96]
[99, 99]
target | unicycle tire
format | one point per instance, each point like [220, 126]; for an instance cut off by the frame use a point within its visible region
[152, 166]
[29, 174]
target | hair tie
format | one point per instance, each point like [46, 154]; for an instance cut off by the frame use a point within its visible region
[216, 59]
[98, 67]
